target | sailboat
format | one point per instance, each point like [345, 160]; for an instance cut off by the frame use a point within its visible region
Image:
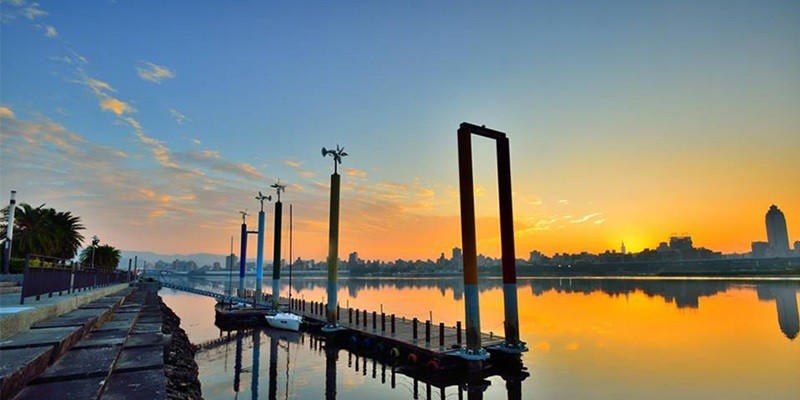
[286, 320]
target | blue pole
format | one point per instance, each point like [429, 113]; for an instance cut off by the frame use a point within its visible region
[243, 260]
[260, 255]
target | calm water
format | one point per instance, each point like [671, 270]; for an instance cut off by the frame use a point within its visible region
[588, 338]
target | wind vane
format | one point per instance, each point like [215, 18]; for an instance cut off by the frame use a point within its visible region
[261, 198]
[280, 188]
[244, 215]
[337, 156]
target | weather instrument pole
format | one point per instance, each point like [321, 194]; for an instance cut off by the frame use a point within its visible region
[333, 239]
[260, 246]
[276, 251]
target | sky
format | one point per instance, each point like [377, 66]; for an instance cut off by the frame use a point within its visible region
[157, 122]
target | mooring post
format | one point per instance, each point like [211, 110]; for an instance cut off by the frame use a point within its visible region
[338, 313]
[414, 328]
[383, 322]
[427, 331]
[469, 253]
[365, 318]
[458, 333]
[441, 335]
[276, 254]
[374, 320]
[358, 312]
[508, 256]
[350, 315]
[392, 324]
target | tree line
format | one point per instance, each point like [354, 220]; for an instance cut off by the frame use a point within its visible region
[43, 231]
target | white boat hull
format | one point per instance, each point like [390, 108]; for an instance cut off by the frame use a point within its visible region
[286, 321]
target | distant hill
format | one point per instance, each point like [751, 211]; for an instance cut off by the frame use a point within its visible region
[200, 258]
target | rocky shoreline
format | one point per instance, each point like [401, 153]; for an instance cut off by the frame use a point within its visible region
[179, 366]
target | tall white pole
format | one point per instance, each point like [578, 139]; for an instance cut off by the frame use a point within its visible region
[12, 207]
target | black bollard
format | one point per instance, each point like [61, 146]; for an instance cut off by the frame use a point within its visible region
[441, 334]
[392, 324]
[349, 315]
[458, 332]
[383, 322]
[427, 331]
[414, 327]
[374, 320]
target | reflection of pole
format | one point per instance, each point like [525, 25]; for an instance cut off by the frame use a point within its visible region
[12, 207]
[243, 259]
[238, 367]
[273, 368]
[507, 245]
[331, 356]
[470, 257]
[276, 258]
[333, 251]
[260, 255]
[256, 361]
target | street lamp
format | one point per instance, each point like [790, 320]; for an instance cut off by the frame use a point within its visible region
[95, 242]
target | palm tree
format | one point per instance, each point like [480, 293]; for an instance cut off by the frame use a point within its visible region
[105, 257]
[44, 231]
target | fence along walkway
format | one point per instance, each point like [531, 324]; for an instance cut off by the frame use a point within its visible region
[38, 281]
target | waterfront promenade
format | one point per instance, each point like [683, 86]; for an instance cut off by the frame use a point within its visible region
[102, 343]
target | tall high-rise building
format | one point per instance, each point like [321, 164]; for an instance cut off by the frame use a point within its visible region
[777, 236]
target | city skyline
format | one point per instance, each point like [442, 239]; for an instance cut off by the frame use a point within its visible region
[627, 122]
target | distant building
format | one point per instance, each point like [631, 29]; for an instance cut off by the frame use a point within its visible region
[622, 248]
[217, 266]
[681, 244]
[231, 261]
[457, 255]
[663, 247]
[777, 235]
[535, 257]
[759, 249]
[352, 260]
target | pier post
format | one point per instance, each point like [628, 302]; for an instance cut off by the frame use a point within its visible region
[365, 318]
[473, 350]
[427, 332]
[276, 255]
[441, 335]
[357, 314]
[414, 328]
[458, 333]
[350, 315]
[259, 256]
[242, 259]
[374, 321]
[333, 252]
[392, 324]
[383, 322]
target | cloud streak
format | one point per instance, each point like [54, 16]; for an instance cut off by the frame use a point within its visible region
[155, 73]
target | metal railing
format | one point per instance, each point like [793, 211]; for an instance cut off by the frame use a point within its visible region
[47, 275]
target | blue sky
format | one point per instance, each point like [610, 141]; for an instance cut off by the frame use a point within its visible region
[622, 112]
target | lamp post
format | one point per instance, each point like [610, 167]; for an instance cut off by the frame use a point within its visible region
[95, 242]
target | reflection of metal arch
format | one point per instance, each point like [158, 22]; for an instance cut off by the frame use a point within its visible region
[470, 258]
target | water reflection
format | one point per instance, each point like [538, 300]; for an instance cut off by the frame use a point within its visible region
[283, 344]
[786, 302]
[684, 293]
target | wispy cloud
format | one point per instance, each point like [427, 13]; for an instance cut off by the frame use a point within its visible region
[50, 31]
[179, 117]
[154, 73]
[585, 218]
[355, 172]
[298, 168]
[32, 11]
[213, 160]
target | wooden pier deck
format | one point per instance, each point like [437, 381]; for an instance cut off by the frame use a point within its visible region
[435, 340]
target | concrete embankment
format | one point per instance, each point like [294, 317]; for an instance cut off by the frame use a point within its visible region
[126, 345]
